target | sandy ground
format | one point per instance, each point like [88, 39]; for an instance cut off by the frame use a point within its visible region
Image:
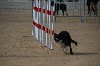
[19, 48]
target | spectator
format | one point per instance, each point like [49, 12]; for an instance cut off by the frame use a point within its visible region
[93, 5]
[88, 4]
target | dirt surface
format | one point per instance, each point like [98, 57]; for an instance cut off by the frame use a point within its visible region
[19, 48]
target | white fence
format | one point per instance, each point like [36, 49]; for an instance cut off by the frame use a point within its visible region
[74, 9]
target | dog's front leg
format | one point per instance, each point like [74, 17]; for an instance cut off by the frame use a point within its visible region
[65, 49]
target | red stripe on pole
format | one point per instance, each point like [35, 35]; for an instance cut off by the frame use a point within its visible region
[49, 31]
[52, 32]
[43, 28]
[46, 30]
[36, 9]
[39, 9]
[44, 11]
[37, 25]
[48, 12]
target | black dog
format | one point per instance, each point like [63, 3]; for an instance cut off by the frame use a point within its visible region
[66, 39]
[59, 6]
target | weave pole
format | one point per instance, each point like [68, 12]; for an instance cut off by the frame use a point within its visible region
[43, 22]
[35, 22]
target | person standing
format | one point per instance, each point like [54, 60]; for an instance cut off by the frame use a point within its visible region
[93, 5]
[88, 5]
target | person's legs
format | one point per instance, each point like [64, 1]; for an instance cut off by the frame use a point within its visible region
[95, 10]
[88, 9]
[91, 7]
[88, 5]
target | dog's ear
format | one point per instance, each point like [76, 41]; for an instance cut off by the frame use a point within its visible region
[55, 34]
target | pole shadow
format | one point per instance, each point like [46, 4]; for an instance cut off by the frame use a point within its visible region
[21, 56]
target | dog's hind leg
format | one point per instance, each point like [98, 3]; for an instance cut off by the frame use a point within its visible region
[70, 49]
[74, 42]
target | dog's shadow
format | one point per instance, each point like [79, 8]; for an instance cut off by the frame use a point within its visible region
[84, 53]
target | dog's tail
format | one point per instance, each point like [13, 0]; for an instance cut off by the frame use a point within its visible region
[74, 42]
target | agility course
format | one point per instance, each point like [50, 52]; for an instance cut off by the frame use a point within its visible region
[18, 47]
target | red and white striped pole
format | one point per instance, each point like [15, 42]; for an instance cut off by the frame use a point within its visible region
[52, 25]
[43, 30]
[44, 24]
[35, 20]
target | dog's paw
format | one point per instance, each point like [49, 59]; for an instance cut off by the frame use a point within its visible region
[71, 53]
